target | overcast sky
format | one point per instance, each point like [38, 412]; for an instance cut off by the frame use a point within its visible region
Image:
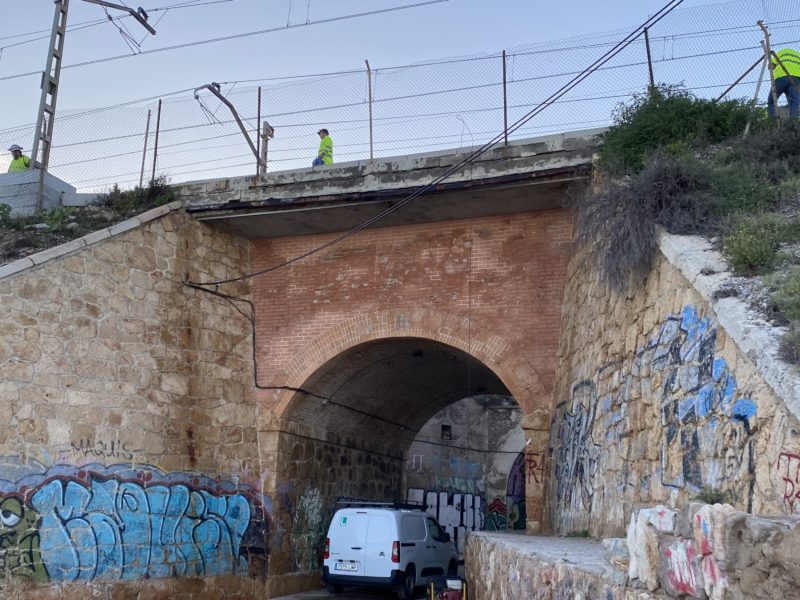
[451, 28]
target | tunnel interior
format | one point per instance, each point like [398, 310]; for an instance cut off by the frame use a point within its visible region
[348, 432]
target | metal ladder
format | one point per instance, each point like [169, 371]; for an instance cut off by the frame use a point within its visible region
[47, 104]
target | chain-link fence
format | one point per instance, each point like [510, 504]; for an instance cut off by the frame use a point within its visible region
[461, 102]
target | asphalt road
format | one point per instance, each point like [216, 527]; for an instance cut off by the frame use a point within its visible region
[350, 594]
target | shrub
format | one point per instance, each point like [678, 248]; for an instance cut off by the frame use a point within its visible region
[620, 221]
[582, 533]
[789, 349]
[57, 218]
[752, 247]
[5, 215]
[787, 296]
[712, 496]
[126, 203]
[666, 117]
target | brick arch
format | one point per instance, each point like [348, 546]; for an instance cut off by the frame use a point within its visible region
[502, 357]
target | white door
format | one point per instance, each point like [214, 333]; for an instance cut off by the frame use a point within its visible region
[439, 549]
[381, 534]
[348, 540]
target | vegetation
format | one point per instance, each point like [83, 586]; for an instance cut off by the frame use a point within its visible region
[583, 533]
[20, 236]
[678, 162]
[712, 496]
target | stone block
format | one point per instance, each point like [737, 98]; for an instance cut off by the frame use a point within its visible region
[642, 542]
[663, 519]
[680, 570]
[615, 551]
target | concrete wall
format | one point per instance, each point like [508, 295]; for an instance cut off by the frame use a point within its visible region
[656, 402]
[471, 473]
[128, 449]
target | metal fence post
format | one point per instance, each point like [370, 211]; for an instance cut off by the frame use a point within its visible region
[258, 137]
[144, 152]
[505, 101]
[369, 88]
[267, 132]
[155, 146]
[649, 61]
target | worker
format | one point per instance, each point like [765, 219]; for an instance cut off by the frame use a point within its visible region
[786, 64]
[325, 154]
[19, 161]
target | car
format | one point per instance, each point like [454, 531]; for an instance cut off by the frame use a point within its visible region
[399, 547]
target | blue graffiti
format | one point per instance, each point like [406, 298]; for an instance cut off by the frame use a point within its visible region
[121, 523]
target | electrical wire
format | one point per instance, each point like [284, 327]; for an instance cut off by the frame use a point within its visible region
[574, 82]
[234, 37]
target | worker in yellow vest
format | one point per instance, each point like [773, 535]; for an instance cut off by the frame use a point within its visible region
[786, 64]
[325, 153]
[19, 161]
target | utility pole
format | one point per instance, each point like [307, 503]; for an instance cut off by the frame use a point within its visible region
[50, 79]
[214, 88]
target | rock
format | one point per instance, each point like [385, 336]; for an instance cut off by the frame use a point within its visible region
[615, 551]
[643, 548]
[680, 570]
[663, 519]
[39, 226]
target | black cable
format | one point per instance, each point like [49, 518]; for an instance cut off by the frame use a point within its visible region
[668, 8]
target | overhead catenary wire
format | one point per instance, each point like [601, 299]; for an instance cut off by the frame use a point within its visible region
[233, 37]
[574, 82]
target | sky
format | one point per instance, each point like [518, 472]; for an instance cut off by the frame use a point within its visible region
[454, 104]
[451, 28]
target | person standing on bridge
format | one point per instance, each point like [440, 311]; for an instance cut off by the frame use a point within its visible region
[786, 65]
[19, 161]
[325, 153]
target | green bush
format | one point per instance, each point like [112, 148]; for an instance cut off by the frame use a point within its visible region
[789, 349]
[751, 248]
[5, 215]
[125, 203]
[713, 496]
[667, 117]
[787, 296]
[57, 218]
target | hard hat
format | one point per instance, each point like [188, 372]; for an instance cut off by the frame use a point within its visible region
[14, 147]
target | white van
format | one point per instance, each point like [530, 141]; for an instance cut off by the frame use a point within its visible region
[386, 546]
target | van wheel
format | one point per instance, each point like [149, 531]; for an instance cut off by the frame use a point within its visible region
[452, 569]
[406, 592]
[334, 589]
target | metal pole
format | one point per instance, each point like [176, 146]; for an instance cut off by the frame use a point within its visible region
[649, 60]
[144, 152]
[505, 100]
[757, 92]
[369, 87]
[258, 137]
[768, 55]
[268, 132]
[155, 146]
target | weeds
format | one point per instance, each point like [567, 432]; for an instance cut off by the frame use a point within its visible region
[751, 248]
[789, 349]
[787, 296]
[583, 533]
[126, 203]
[713, 496]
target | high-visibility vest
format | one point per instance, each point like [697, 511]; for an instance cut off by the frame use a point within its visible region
[23, 163]
[326, 150]
[790, 60]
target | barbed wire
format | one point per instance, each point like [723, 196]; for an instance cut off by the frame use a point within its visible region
[451, 102]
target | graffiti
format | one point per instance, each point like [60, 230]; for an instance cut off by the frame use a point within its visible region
[679, 568]
[708, 424]
[457, 484]
[125, 522]
[535, 467]
[101, 449]
[575, 453]
[515, 491]
[790, 476]
[457, 513]
[415, 463]
[497, 516]
[308, 528]
[702, 412]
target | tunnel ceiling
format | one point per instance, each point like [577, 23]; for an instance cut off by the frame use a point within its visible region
[385, 391]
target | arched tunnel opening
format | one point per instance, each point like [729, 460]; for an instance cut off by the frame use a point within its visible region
[398, 419]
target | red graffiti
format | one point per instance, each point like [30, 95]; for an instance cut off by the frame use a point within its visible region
[679, 570]
[535, 467]
[791, 479]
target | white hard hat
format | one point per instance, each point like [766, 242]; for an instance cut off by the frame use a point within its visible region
[14, 147]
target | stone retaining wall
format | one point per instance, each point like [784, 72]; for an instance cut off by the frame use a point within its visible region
[128, 452]
[657, 403]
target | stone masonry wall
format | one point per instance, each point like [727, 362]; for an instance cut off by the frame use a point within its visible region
[128, 453]
[656, 404]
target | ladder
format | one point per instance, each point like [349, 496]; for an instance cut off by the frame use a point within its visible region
[47, 103]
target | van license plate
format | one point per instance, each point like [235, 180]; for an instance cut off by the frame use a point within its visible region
[346, 567]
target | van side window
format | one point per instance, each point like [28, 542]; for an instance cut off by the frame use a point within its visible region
[435, 531]
[413, 528]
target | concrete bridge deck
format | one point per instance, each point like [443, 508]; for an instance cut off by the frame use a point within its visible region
[526, 175]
